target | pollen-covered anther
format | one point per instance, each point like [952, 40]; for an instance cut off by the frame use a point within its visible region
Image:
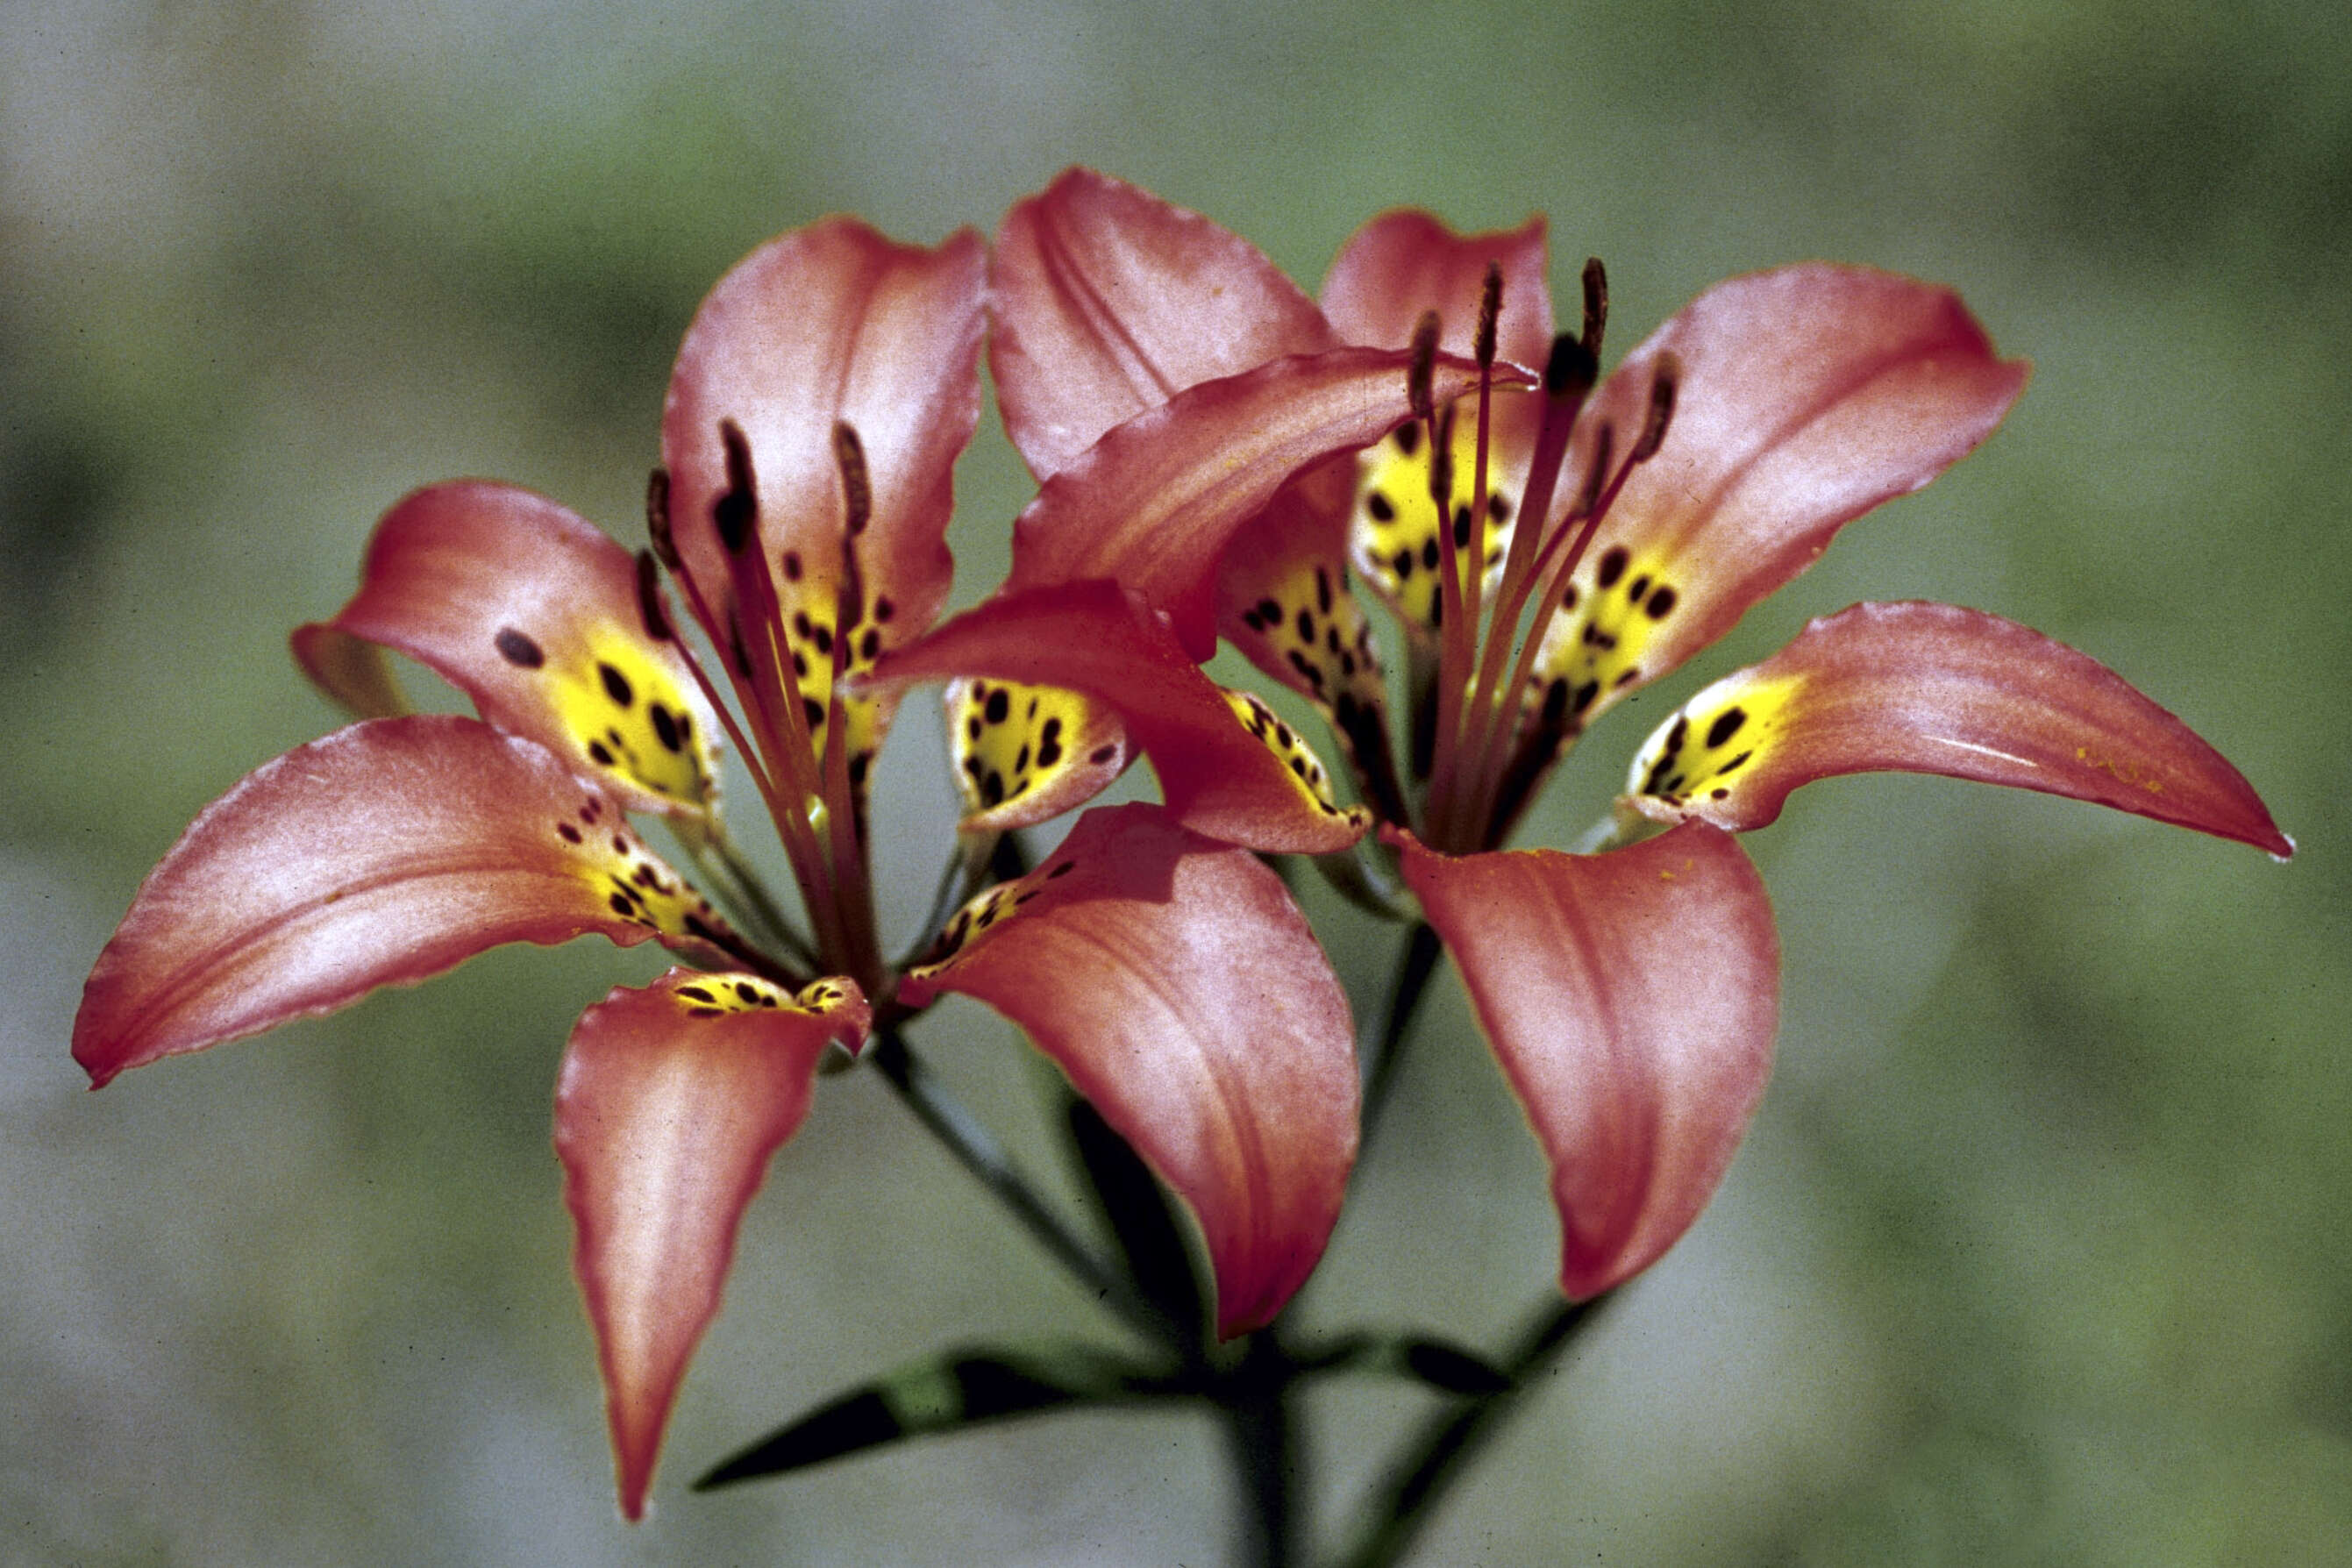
[1307, 770]
[1394, 533]
[1593, 651]
[1697, 755]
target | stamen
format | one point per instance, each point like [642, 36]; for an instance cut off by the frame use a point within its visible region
[736, 512]
[649, 605]
[1662, 385]
[856, 484]
[657, 517]
[1596, 306]
[1420, 377]
[1490, 308]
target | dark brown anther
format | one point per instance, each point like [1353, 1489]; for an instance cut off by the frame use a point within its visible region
[856, 484]
[1571, 369]
[736, 512]
[1441, 462]
[1596, 477]
[1490, 310]
[1422, 373]
[657, 517]
[649, 605]
[1663, 384]
[1596, 305]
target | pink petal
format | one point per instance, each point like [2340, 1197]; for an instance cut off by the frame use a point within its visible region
[671, 1102]
[1108, 301]
[1403, 263]
[1176, 983]
[1632, 999]
[1806, 398]
[1935, 688]
[533, 613]
[1153, 504]
[382, 855]
[1217, 775]
[830, 323]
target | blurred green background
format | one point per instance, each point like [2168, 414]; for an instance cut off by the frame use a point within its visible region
[2038, 1252]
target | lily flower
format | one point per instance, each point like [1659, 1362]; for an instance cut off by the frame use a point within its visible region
[819, 402]
[1547, 547]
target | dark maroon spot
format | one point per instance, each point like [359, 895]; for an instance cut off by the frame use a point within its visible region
[1727, 724]
[824, 639]
[792, 566]
[695, 926]
[620, 844]
[666, 728]
[1269, 612]
[745, 992]
[1586, 695]
[972, 766]
[1102, 754]
[1323, 589]
[801, 622]
[973, 727]
[1613, 566]
[706, 1012]
[1408, 438]
[1000, 706]
[1053, 731]
[1429, 552]
[1725, 771]
[1306, 626]
[884, 609]
[1281, 736]
[1403, 564]
[1498, 507]
[1638, 586]
[1718, 793]
[1021, 759]
[697, 993]
[1064, 869]
[1461, 527]
[622, 905]
[1048, 754]
[616, 685]
[1252, 619]
[1567, 597]
[517, 648]
[869, 647]
[1378, 505]
[1661, 603]
[992, 788]
[1677, 736]
[568, 834]
[602, 752]
[814, 712]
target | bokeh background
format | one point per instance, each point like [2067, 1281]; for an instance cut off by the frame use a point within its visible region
[2038, 1252]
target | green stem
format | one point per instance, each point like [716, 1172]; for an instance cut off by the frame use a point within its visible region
[1428, 1467]
[978, 1152]
[1262, 1422]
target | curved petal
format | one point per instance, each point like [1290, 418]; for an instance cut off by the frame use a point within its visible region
[382, 855]
[671, 1101]
[828, 325]
[1935, 688]
[1025, 755]
[1154, 502]
[1176, 983]
[1405, 262]
[1632, 999]
[533, 613]
[1226, 766]
[1108, 301]
[352, 672]
[1805, 397]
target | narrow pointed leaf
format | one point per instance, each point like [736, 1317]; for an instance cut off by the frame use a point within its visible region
[1805, 397]
[1153, 504]
[382, 855]
[1218, 775]
[532, 612]
[934, 1396]
[1919, 688]
[1632, 999]
[1108, 301]
[1146, 1229]
[1176, 983]
[672, 1100]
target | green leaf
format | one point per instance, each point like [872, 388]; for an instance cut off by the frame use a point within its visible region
[966, 1387]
